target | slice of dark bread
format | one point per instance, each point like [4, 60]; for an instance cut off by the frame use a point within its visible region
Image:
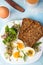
[30, 31]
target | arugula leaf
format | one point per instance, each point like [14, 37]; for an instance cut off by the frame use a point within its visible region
[4, 41]
[12, 31]
[25, 56]
[11, 34]
[36, 44]
[7, 29]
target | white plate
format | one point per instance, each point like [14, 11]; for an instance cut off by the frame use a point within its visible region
[2, 47]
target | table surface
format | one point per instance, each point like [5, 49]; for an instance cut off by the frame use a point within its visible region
[35, 13]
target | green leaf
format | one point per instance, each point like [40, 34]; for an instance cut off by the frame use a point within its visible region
[12, 31]
[25, 56]
[4, 41]
[36, 44]
[8, 39]
[6, 29]
[11, 34]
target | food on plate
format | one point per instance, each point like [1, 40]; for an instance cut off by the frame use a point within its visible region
[29, 51]
[21, 41]
[9, 48]
[4, 12]
[18, 52]
[32, 1]
[24, 53]
[16, 55]
[36, 46]
[30, 31]
[9, 37]
[17, 26]
[10, 33]
[15, 5]
[20, 45]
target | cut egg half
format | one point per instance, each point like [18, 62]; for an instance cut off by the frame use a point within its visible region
[19, 44]
[17, 54]
[29, 51]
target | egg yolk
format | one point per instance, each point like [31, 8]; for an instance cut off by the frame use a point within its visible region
[16, 54]
[30, 53]
[20, 45]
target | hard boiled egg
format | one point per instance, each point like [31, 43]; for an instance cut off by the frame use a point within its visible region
[16, 54]
[19, 44]
[29, 51]
[4, 12]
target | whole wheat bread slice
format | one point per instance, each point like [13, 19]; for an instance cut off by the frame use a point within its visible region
[30, 31]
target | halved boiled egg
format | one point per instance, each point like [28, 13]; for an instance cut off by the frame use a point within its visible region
[19, 44]
[29, 51]
[16, 54]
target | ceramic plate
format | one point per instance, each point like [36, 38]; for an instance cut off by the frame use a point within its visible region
[2, 47]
